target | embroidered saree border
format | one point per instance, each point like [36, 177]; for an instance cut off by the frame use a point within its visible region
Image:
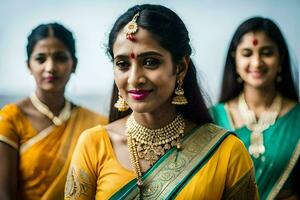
[289, 168]
[173, 170]
[41, 135]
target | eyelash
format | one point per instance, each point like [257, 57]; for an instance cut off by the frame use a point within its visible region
[150, 63]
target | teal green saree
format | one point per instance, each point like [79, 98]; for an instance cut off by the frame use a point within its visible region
[274, 169]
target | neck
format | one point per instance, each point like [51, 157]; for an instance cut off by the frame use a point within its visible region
[54, 100]
[155, 120]
[259, 98]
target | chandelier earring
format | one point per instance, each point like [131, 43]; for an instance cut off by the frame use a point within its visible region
[179, 98]
[121, 104]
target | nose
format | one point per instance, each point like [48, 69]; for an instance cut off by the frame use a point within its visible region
[136, 76]
[256, 61]
[49, 65]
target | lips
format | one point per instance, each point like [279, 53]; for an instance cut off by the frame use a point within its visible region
[256, 74]
[50, 78]
[139, 94]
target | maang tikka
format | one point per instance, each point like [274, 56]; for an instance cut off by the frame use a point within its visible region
[179, 98]
[132, 27]
[121, 104]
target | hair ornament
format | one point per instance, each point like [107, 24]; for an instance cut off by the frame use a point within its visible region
[132, 27]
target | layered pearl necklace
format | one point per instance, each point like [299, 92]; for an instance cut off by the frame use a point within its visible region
[64, 114]
[266, 119]
[151, 144]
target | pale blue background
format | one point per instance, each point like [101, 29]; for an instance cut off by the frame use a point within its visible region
[211, 24]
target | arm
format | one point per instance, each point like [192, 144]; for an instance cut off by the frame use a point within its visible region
[81, 180]
[240, 180]
[8, 172]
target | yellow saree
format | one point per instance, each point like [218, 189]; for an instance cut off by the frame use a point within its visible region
[44, 157]
[225, 170]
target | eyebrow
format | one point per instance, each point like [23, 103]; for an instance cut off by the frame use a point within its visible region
[145, 54]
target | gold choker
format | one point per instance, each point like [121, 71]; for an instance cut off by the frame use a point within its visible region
[64, 114]
[266, 119]
[151, 144]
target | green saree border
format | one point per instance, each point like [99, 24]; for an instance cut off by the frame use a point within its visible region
[286, 173]
[165, 179]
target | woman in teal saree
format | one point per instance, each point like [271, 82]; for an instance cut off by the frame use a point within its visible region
[259, 102]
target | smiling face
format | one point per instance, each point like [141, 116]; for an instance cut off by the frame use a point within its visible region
[257, 60]
[51, 65]
[144, 72]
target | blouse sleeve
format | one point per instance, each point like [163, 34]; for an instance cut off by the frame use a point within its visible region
[82, 176]
[8, 126]
[240, 181]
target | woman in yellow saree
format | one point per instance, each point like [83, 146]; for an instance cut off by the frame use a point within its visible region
[160, 143]
[259, 102]
[38, 134]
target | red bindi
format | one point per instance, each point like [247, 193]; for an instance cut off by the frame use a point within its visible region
[132, 55]
[130, 37]
[255, 42]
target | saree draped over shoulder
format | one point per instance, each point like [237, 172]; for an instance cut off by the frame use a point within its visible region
[275, 169]
[213, 164]
[44, 157]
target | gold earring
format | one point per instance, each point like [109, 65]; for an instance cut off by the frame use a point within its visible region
[179, 98]
[121, 104]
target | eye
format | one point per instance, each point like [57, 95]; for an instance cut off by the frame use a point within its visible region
[40, 59]
[267, 52]
[121, 64]
[61, 57]
[246, 52]
[151, 63]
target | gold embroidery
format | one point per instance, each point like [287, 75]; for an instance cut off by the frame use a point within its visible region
[244, 189]
[77, 183]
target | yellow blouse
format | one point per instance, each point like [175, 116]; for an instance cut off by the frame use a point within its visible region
[44, 156]
[95, 172]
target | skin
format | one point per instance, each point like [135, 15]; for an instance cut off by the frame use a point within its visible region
[258, 65]
[151, 69]
[51, 66]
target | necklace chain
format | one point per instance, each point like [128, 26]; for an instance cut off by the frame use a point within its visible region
[266, 119]
[151, 144]
[64, 114]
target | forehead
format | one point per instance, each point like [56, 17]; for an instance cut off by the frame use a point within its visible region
[260, 36]
[48, 44]
[145, 41]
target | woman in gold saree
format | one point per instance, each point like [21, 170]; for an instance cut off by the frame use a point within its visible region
[160, 143]
[259, 102]
[38, 134]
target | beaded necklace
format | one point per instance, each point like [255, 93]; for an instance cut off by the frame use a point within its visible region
[151, 144]
[64, 114]
[266, 119]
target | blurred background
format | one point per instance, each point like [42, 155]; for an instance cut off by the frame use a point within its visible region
[211, 24]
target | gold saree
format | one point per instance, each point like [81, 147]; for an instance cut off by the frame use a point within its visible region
[44, 157]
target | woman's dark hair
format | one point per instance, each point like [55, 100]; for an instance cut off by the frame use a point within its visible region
[52, 30]
[170, 32]
[230, 87]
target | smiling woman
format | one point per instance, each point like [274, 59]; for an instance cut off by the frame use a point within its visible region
[159, 143]
[259, 102]
[38, 134]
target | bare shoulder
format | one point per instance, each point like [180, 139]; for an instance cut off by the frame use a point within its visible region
[25, 106]
[117, 130]
[232, 104]
[287, 105]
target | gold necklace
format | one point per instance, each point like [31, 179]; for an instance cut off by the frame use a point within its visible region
[151, 144]
[266, 119]
[64, 114]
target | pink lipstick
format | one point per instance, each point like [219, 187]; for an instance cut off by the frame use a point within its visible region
[139, 94]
